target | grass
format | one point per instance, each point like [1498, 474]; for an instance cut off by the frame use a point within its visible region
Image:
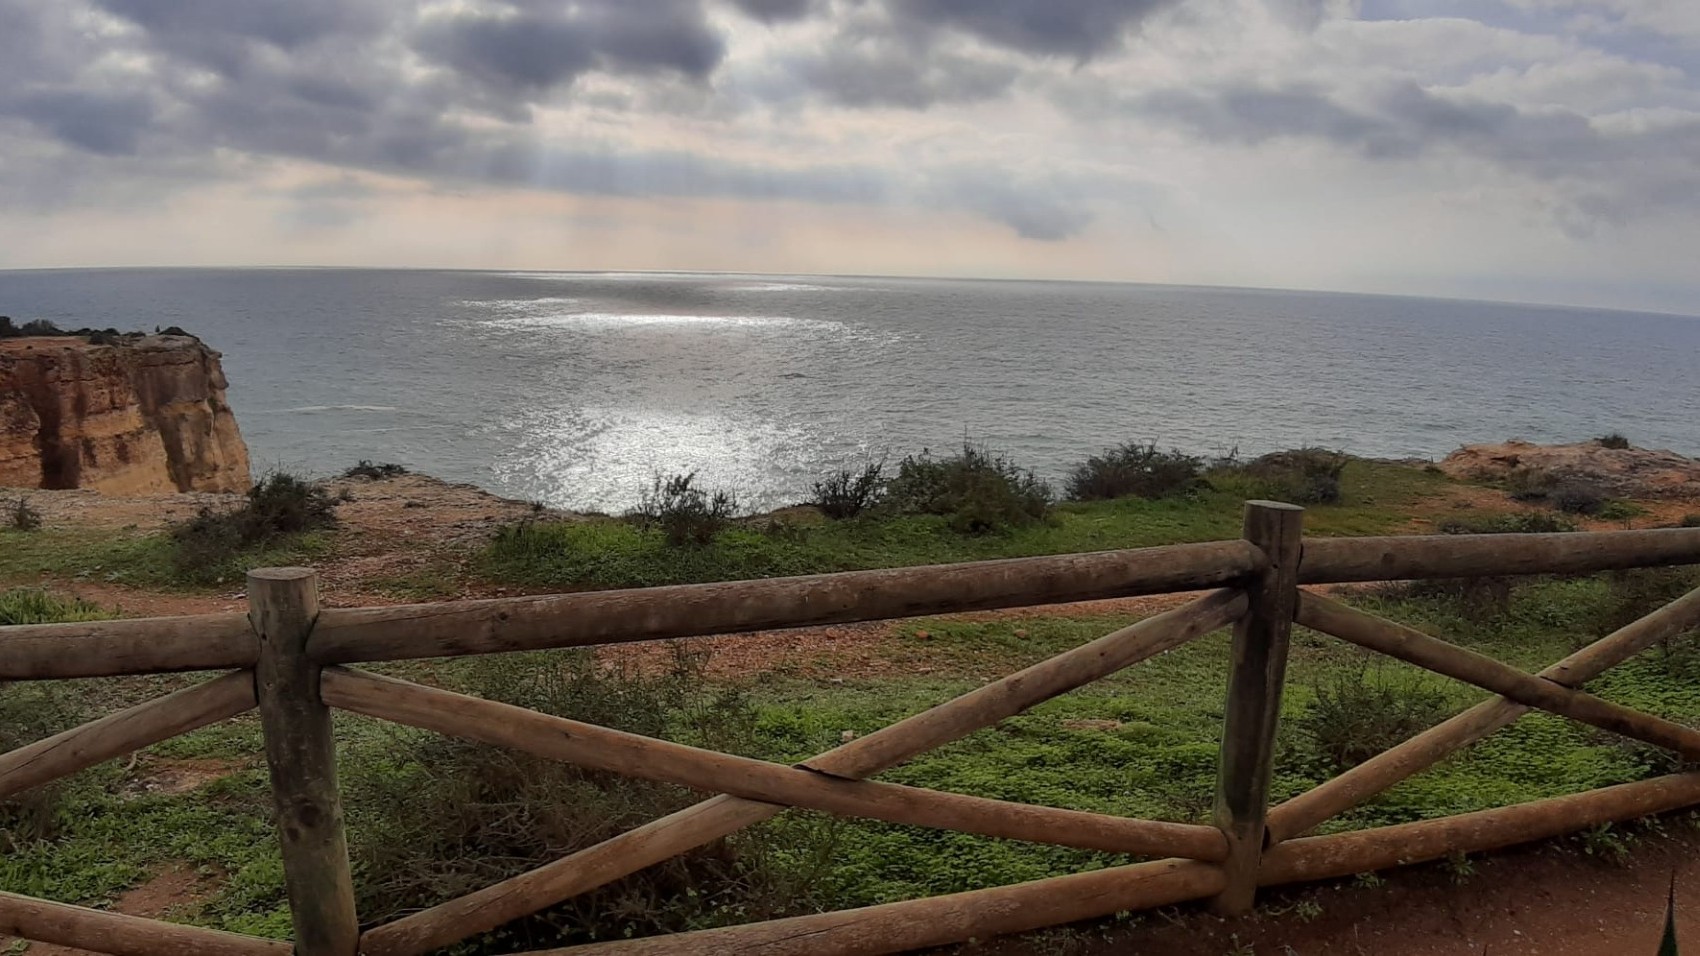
[1378, 499]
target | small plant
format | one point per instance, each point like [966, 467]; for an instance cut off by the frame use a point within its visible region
[979, 490]
[1460, 867]
[1359, 712]
[375, 472]
[1134, 471]
[845, 494]
[686, 514]
[1303, 476]
[35, 606]
[22, 516]
[1516, 522]
[1617, 509]
[1370, 881]
[1578, 497]
[1606, 843]
[1307, 910]
[279, 505]
[1615, 440]
[1529, 484]
[1689, 521]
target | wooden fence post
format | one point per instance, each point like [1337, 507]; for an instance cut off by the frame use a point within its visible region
[1257, 671]
[283, 604]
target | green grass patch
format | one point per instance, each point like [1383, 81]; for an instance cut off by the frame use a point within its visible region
[609, 553]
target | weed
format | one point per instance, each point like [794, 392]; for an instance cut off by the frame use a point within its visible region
[686, 514]
[978, 491]
[1607, 843]
[1459, 867]
[1357, 712]
[1614, 440]
[1529, 484]
[1689, 521]
[375, 472]
[35, 606]
[1370, 881]
[207, 547]
[1134, 471]
[1307, 910]
[1617, 509]
[23, 516]
[846, 494]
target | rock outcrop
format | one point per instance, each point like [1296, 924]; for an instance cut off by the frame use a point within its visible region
[1624, 472]
[143, 415]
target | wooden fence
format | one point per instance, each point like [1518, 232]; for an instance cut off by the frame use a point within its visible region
[289, 659]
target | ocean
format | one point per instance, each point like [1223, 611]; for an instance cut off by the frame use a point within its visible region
[577, 388]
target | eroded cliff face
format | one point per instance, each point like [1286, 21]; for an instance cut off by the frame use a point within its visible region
[144, 416]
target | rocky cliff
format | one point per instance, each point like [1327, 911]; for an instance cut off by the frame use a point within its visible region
[141, 415]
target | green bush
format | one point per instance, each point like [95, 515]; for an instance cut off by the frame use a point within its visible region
[1689, 521]
[1613, 440]
[1302, 476]
[375, 472]
[279, 506]
[35, 606]
[1134, 470]
[1358, 712]
[23, 516]
[846, 494]
[978, 490]
[433, 817]
[685, 514]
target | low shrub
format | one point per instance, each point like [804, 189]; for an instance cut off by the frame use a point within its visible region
[1617, 509]
[1633, 594]
[1134, 471]
[686, 515]
[375, 472]
[278, 506]
[1302, 476]
[846, 494]
[1516, 522]
[433, 817]
[22, 516]
[1529, 484]
[1358, 712]
[1689, 521]
[1578, 497]
[979, 491]
[1614, 440]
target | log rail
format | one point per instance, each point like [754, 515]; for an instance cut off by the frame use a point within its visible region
[293, 662]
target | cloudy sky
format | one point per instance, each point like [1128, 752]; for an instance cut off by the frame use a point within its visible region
[1544, 150]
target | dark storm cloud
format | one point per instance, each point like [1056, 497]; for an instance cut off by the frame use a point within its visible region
[1074, 28]
[543, 45]
[771, 11]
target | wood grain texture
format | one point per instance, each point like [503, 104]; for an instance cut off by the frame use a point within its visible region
[1257, 673]
[721, 816]
[1415, 557]
[103, 932]
[125, 731]
[647, 614]
[301, 754]
[1450, 660]
[1335, 796]
[143, 646]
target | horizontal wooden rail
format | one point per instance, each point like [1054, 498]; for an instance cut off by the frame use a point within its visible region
[647, 758]
[121, 935]
[646, 614]
[940, 920]
[1416, 557]
[154, 645]
[125, 731]
[721, 816]
[1431, 653]
[1428, 748]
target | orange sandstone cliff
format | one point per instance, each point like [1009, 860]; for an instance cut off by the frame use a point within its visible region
[143, 416]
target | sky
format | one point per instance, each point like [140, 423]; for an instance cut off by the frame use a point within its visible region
[1535, 150]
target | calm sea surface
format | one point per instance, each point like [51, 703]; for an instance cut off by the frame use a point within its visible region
[576, 388]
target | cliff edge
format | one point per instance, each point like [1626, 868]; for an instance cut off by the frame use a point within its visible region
[136, 416]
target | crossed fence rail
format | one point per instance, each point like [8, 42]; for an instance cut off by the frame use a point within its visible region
[290, 659]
